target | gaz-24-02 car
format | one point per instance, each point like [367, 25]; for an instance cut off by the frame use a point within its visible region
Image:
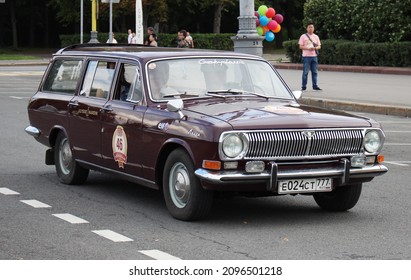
[196, 123]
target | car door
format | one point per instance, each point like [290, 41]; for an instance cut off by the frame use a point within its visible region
[122, 119]
[48, 107]
[85, 110]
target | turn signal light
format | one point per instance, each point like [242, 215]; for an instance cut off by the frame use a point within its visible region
[212, 164]
[380, 158]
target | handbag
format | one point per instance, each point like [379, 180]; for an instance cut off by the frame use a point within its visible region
[314, 44]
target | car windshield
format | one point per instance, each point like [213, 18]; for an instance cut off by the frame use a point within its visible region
[214, 77]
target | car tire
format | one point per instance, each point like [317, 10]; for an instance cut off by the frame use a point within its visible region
[184, 196]
[340, 199]
[68, 170]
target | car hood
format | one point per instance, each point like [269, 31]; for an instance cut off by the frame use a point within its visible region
[276, 115]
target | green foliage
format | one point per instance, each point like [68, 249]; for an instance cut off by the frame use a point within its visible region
[201, 41]
[361, 20]
[343, 52]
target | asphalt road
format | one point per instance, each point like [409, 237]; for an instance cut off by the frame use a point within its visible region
[72, 219]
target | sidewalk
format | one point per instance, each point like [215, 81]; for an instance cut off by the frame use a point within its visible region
[385, 91]
[392, 101]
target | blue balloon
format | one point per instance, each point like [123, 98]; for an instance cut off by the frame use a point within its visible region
[264, 20]
[269, 36]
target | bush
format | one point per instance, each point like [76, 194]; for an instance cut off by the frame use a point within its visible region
[341, 52]
[361, 20]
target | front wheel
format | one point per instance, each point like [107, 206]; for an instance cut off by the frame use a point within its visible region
[184, 196]
[68, 170]
[340, 199]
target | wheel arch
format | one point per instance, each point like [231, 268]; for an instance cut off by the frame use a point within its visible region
[53, 135]
[169, 146]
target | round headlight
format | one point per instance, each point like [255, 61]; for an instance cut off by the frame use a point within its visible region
[372, 141]
[233, 146]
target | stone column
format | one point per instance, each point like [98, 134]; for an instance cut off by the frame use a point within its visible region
[247, 39]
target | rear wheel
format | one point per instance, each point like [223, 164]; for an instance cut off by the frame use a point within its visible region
[184, 196]
[340, 199]
[68, 170]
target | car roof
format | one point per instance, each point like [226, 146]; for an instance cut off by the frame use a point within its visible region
[143, 52]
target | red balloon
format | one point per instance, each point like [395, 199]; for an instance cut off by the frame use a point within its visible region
[257, 22]
[256, 14]
[272, 25]
[270, 13]
[278, 18]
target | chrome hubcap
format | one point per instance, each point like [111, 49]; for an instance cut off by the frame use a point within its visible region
[65, 157]
[179, 185]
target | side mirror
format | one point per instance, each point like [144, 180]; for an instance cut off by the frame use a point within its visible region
[176, 105]
[297, 94]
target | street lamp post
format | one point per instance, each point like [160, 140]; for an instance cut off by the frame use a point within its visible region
[81, 22]
[110, 34]
[247, 39]
[93, 32]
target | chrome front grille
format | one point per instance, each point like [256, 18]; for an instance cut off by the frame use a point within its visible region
[298, 144]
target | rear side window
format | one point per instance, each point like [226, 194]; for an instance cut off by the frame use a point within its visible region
[98, 78]
[63, 76]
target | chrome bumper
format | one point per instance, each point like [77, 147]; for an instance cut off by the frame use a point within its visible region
[33, 131]
[344, 173]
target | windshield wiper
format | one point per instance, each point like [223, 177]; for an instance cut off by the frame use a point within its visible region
[234, 92]
[181, 94]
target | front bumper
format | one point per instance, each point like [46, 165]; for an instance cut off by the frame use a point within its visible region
[344, 173]
[33, 131]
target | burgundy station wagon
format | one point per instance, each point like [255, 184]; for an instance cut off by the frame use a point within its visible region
[194, 123]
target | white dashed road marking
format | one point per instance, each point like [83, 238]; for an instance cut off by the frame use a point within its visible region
[7, 191]
[399, 163]
[35, 203]
[158, 255]
[71, 218]
[113, 236]
[17, 97]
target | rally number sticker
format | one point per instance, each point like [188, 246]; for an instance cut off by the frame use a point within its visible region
[120, 146]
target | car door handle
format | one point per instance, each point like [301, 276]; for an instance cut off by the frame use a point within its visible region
[107, 108]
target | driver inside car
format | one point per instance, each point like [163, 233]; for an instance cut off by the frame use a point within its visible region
[159, 75]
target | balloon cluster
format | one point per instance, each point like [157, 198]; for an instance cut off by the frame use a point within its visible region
[268, 22]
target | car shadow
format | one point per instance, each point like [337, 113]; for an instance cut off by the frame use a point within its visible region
[237, 210]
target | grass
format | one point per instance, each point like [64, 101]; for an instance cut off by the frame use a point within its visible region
[16, 57]
[24, 54]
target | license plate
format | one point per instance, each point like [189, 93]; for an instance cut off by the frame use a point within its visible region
[305, 185]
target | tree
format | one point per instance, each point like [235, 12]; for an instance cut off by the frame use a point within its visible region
[195, 7]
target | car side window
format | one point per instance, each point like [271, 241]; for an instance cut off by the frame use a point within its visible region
[98, 79]
[63, 76]
[129, 86]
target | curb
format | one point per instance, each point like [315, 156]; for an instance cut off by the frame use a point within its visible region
[349, 68]
[358, 107]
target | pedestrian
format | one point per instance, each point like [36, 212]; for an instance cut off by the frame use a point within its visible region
[152, 41]
[133, 38]
[150, 31]
[190, 40]
[182, 41]
[114, 41]
[130, 36]
[310, 44]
